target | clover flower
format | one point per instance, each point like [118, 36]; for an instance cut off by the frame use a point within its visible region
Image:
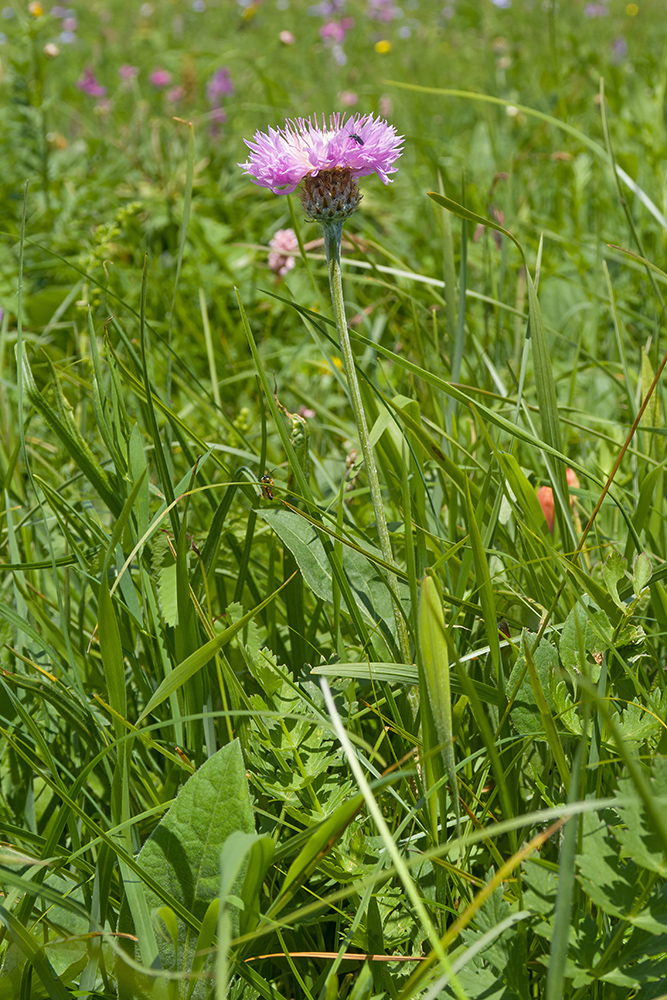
[330, 157]
[127, 72]
[160, 78]
[283, 244]
[89, 84]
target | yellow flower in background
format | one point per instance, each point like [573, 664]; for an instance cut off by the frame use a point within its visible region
[327, 367]
[35, 9]
[632, 10]
[383, 46]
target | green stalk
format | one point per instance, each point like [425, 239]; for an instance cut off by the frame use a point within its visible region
[333, 232]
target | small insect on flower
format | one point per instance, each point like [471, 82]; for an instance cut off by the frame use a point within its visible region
[267, 483]
[357, 139]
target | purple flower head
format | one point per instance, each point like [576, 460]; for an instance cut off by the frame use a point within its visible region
[160, 78]
[596, 10]
[88, 84]
[382, 10]
[361, 145]
[327, 8]
[333, 31]
[619, 50]
[219, 85]
[127, 72]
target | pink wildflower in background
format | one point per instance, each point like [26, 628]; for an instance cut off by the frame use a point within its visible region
[287, 38]
[175, 94]
[333, 35]
[160, 78]
[219, 85]
[127, 72]
[333, 31]
[327, 8]
[88, 84]
[382, 10]
[361, 145]
[619, 50]
[592, 10]
[348, 98]
[282, 245]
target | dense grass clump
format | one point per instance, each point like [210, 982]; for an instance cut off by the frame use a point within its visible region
[251, 745]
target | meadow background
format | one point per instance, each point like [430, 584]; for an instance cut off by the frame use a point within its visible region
[186, 809]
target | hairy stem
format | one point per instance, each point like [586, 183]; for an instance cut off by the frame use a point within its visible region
[332, 239]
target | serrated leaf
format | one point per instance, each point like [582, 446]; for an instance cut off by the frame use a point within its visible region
[586, 635]
[614, 570]
[368, 587]
[525, 712]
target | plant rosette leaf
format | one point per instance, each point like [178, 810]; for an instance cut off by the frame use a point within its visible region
[183, 856]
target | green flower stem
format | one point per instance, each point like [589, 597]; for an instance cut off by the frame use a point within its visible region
[333, 232]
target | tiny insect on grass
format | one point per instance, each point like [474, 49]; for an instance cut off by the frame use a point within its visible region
[267, 482]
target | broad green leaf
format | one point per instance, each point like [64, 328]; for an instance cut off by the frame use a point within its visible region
[366, 584]
[586, 636]
[34, 952]
[183, 853]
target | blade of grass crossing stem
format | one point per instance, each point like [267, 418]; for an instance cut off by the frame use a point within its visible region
[485, 590]
[580, 136]
[410, 561]
[295, 465]
[655, 813]
[459, 342]
[210, 353]
[469, 688]
[187, 202]
[182, 673]
[491, 416]
[565, 891]
[232, 857]
[319, 844]
[111, 650]
[437, 698]
[623, 202]
[163, 469]
[19, 318]
[618, 331]
[553, 739]
[448, 270]
[411, 890]
[545, 386]
[35, 956]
